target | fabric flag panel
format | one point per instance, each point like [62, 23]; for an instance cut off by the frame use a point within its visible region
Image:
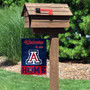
[33, 56]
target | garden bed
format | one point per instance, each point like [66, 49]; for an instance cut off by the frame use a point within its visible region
[66, 70]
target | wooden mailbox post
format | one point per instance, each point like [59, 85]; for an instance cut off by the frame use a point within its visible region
[48, 19]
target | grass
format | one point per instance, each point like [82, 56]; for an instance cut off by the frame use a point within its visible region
[11, 31]
[14, 81]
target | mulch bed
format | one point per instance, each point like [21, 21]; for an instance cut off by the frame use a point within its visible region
[67, 70]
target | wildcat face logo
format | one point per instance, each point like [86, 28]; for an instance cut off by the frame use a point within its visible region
[33, 58]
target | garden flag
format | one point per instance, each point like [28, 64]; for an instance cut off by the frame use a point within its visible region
[33, 56]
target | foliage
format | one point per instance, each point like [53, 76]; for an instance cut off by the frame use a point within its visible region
[85, 25]
[15, 81]
[16, 2]
[11, 32]
[73, 44]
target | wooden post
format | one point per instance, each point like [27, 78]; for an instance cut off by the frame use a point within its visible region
[54, 58]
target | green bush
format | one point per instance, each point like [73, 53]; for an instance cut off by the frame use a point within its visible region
[11, 32]
[16, 2]
[85, 25]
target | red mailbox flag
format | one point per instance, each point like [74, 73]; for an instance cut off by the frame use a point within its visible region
[49, 10]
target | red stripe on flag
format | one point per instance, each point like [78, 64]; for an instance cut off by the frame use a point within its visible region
[33, 70]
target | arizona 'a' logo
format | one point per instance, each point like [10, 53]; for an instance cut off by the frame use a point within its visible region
[33, 58]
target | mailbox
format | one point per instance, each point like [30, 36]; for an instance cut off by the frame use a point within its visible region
[45, 18]
[49, 19]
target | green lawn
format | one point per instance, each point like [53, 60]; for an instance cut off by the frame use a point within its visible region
[14, 81]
